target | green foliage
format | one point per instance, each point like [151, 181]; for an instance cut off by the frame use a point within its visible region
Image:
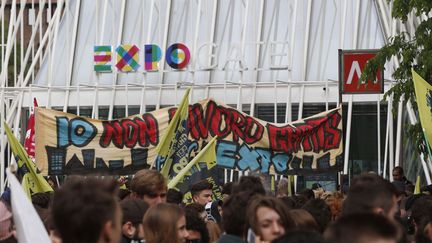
[411, 52]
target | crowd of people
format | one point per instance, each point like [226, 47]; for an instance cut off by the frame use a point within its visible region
[89, 210]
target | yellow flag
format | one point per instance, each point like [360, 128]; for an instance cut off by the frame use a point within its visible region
[32, 181]
[423, 92]
[172, 150]
[207, 155]
[417, 186]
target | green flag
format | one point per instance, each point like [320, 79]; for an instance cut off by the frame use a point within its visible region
[32, 181]
[207, 155]
[172, 150]
[423, 91]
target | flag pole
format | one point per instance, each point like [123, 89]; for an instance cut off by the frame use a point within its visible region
[195, 160]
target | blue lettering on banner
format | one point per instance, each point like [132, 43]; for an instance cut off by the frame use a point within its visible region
[77, 132]
[248, 158]
[226, 153]
[280, 162]
[265, 156]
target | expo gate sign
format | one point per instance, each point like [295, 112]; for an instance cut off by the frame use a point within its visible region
[351, 66]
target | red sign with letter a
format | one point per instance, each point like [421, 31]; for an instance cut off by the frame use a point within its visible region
[351, 66]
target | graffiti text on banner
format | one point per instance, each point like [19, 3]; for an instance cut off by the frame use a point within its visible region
[69, 144]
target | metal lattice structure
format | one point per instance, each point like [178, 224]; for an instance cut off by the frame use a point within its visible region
[244, 53]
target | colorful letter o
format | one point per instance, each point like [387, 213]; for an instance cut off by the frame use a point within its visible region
[177, 56]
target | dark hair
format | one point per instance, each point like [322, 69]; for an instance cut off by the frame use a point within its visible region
[234, 213]
[299, 200]
[288, 201]
[321, 212]
[194, 222]
[174, 196]
[399, 169]
[307, 193]
[300, 236]
[249, 183]
[146, 182]
[362, 227]
[82, 206]
[42, 199]
[195, 207]
[367, 192]
[227, 188]
[421, 211]
[133, 210]
[123, 193]
[199, 186]
[272, 203]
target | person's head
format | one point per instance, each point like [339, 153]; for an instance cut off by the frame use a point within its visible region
[165, 222]
[214, 211]
[149, 185]
[249, 183]
[227, 189]
[133, 213]
[42, 199]
[234, 216]
[196, 227]
[304, 220]
[320, 211]
[123, 194]
[174, 196]
[269, 218]
[398, 173]
[300, 236]
[334, 200]
[282, 189]
[371, 193]
[198, 208]
[86, 210]
[363, 228]
[307, 193]
[213, 230]
[299, 201]
[421, 211]
[202, 192]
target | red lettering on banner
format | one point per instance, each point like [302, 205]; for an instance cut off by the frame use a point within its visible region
[313, 135]
[198, 122]
[112, 131]
[148, 127]
[128, 132]
[250, 136]
[222, 121]
[333, 134]
[238, 122]
[281, 138]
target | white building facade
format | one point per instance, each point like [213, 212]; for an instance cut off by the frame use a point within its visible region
[273, 59]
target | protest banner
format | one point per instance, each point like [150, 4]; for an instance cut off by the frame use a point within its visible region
[69, 144]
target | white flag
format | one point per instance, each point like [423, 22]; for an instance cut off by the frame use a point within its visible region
[29, 227]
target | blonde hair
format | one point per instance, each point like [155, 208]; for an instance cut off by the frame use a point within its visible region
[160, 223]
